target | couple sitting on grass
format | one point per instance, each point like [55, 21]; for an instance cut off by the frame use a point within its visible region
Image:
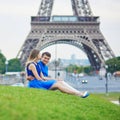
[37, 74]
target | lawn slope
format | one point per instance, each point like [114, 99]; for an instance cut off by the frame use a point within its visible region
[18, 103]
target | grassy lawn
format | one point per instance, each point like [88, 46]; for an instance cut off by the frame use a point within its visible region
[111, 96]
[17, 103]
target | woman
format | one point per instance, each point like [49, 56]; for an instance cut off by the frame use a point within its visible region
[41, 82]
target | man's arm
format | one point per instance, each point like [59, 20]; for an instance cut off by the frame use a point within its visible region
[29, 77]
[49, 78]
[45, 78]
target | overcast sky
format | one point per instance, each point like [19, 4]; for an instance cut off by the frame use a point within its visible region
[15, 24]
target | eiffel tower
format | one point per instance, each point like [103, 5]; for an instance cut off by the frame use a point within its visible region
[80, 30]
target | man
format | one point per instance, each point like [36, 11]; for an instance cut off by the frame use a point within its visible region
[45, 58]
[43, 63]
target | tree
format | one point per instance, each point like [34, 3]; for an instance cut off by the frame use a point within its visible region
[79, 69]
[113, 64]
[14, 65]
[71, 68]
[2, 63]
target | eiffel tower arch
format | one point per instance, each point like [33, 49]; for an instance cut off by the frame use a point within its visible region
[81, 30]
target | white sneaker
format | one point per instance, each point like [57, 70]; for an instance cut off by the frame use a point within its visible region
[86, 94]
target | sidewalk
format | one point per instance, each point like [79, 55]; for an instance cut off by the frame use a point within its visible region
[116, 102]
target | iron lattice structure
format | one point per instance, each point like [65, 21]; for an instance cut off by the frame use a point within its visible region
[81, 30]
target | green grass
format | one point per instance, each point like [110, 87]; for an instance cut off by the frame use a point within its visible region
[17, 103]
[110, 96]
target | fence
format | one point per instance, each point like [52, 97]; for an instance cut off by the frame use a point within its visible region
[11, 79]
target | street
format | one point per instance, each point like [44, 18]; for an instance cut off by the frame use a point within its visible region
[94, 84]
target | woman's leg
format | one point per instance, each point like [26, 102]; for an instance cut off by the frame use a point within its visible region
[67, 85]
[64, 87]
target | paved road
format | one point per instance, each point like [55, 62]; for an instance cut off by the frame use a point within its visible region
[94, 84]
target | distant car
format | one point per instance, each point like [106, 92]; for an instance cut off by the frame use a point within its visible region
[84, 81]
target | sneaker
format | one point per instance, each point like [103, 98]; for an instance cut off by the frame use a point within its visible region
[86, 94]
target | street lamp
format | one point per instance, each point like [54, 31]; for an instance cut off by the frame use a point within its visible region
[103, 73]
[115, 68]
[6, 63]
[106, 76]
[55, 59]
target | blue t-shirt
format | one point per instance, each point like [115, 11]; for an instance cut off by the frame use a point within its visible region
[44, 68]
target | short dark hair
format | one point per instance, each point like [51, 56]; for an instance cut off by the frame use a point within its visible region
[46, 53]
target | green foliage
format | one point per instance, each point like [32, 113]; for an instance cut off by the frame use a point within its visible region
[14, 65]
[87, 69]
[69, 68]
[2, 63]
[18, 103]
[2, 58]
[79, 69]
[113, 64]
[2, 67]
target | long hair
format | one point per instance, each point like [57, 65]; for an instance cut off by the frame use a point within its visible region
[33, 56]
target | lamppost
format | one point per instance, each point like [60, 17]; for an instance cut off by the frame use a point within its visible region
[115, 68]
[103, 73]
[55, 59]
[6, 67]
[106, 76]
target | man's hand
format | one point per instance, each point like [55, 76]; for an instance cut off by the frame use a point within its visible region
[30, 77]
